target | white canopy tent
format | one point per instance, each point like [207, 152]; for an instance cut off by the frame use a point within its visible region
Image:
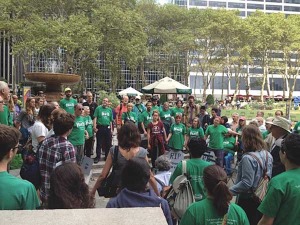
[166, 85]
[130, 92]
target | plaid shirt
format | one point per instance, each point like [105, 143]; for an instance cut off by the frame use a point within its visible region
[53, 150]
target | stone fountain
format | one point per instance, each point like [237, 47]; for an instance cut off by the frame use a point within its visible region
[53, 81]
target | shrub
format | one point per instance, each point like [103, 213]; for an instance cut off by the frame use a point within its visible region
[210, 99]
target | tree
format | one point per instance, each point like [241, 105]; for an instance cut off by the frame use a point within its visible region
[265, 38]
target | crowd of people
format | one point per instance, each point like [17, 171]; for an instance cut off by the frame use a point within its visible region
[63, 133]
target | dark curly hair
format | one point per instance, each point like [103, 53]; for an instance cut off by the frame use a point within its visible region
[68, 189]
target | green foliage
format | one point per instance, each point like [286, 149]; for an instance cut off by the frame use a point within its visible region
[210, 99]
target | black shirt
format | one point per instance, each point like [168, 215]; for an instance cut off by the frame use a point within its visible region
[92, 107]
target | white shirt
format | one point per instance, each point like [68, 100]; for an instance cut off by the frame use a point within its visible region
[163, 176]
[38, 130]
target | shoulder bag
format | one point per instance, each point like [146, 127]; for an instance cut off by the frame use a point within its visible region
[109, 185]
[261, 190]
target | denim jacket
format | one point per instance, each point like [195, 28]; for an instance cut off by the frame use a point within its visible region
[250, 172]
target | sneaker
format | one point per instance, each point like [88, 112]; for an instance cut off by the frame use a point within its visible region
[96, 160]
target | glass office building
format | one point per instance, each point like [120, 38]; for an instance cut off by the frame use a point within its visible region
[246, 8]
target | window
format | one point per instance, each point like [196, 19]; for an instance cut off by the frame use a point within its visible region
[274, 7]
[198, 2]
[221, 83]
[236, 5]
[292, 8]
[255, 83]
[217, 4]
[278, 1]
[292, 1]
[242, 13]
[242, 85]
[199, 82]
[255, 6]
[180, 2]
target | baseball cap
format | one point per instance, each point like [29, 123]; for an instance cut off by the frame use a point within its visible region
[138, 97]
[67, 89]
[191, 96]
[242, 118]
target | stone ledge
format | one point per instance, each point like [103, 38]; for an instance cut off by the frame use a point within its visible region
[132, 216]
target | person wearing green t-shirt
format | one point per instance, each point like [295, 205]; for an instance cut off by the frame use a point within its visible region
[216, 208]
[177, 134]
[129, 116]
[281, 203]
[103, 127]
[155, 105]
[178, 110]
[79, 133]
[297, 128]
[195, 131]
[229, 144]
[5, 117]
[15, 193]
[88, 145]
[146, 117]
[216, 134]
[194, 167]
[165, 115]
[68, 103]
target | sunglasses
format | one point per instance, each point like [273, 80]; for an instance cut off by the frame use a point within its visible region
[81, 109]
[1, 102]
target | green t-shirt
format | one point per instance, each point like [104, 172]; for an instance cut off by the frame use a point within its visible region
[68, 105]
[5, 116]
[204, 213]
[265, 134]
[146, 118]
[194, 168]
[282, 199]
[77, 136]
[176, 111]
[126, 116]
[89, 125]
[176, 141]
[195, 132]
[155, 107]
[165, 115]
[17, 194]
[297, 128]
[216, 136]
[229, 143]
[104, 115]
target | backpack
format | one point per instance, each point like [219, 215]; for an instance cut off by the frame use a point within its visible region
[180, 195]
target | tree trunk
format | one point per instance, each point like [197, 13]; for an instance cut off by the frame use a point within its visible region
[222, 93]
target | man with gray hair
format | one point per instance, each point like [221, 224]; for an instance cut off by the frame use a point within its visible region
[4, 111]
[162, 177]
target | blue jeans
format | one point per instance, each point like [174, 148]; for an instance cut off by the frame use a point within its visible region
[219, 153]
[228, 158]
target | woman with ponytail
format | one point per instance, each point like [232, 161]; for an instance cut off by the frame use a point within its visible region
[216, 209]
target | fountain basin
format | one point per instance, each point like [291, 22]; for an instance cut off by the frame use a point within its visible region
[53, 82]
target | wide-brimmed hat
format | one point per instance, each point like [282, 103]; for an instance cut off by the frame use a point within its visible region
[269, 120]
[282, 123]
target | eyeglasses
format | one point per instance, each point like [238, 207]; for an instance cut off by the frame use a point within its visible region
[1, 102]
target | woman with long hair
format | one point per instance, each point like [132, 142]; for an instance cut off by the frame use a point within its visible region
[216, 208]
[42, 125]
[26, 118]
[250, 171]
[68, 189]
[129, 140]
